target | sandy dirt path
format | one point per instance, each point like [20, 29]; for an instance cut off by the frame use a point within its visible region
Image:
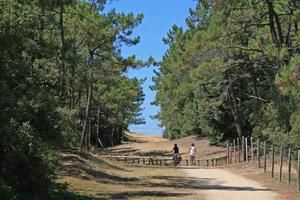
[219, 184]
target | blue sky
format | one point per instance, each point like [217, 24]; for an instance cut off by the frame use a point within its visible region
[159, 16]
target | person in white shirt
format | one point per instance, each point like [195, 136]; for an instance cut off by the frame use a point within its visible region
[192, 154]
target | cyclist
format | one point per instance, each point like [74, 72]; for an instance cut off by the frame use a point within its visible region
[176, 155]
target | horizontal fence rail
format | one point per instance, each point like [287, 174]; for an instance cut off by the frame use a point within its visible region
[167, 161]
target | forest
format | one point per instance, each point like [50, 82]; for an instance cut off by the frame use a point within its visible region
[235, 71]
[63, 84]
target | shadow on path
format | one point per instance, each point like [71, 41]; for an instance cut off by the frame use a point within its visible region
[129, 195]
[154, 153]
[122, 151]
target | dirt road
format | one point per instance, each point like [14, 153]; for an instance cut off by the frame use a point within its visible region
[216, 184]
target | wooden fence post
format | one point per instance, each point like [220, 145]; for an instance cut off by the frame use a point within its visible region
[252, 150]
[273, 160]
[234, 151]
[238, 144]
[298, 181]
[258, 153]
[227, 153]
[243, 148]
[246, 149]
[265, 157]
[289, 167]
[281, 161]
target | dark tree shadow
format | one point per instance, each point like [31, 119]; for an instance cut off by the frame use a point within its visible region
[61, 192]
[122, 151]
[131, 194]
[136, 140]
[65, 195]
[80, 158]
[154, 153]
[83, 172]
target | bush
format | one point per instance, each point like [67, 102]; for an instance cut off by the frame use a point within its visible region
[124, 138]
[27, 166]
[6, 191]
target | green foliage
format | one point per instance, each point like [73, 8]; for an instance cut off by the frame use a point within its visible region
[234, 72]
[124, 138]
[287, 80]
[6, 191]
[295, 130]
[54, 54]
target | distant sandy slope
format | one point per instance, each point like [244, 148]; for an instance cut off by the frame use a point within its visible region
[154, 145]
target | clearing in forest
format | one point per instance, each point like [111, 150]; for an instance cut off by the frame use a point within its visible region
[91, 177]
[142, 145]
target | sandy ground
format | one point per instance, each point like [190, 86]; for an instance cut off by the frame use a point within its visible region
[219, 184]
[156, 146]
[214, 183]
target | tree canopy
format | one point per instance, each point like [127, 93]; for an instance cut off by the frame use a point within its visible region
[234, 72]
[63, 84]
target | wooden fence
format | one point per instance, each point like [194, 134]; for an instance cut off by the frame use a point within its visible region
[264, 155]
[168, 161]
[240, 150]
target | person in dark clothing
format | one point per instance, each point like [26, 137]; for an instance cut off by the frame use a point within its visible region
[176, 155]
[175, 149]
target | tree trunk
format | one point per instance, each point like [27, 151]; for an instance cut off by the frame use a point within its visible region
[42, 23]
[1, 157]
[62, 52]
[112, 137]
[237, 116]
[87, 115]
[121, 132]
[272, 23]
[98, 139]
[89, 135]
[108, 134]
[296, 21]
[72, 85]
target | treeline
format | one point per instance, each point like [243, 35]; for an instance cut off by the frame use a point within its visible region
[62, 84]
[234, 72]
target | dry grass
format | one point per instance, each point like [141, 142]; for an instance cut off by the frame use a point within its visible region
[95, 178]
